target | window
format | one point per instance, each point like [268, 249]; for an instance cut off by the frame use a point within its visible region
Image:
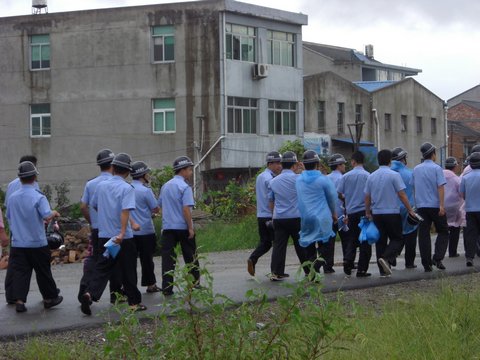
[40, 120]
[433, 124]
[40, 52]
[240, 42]
[403, 123]
[280, 48]
[163, 43]
[419, 124]
[163, 116]
[341, 118]
[282, 117]
[358, 113]
[322, 126]
[242, 115]
[388, 122]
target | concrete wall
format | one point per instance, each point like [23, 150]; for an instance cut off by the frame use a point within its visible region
[471, 94]
[409, 98]
[314, 63]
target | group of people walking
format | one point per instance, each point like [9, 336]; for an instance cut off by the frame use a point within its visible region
[118, 212]
[298, 200]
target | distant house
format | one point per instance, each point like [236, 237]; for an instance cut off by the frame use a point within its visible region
[472, 94]
[461, 139]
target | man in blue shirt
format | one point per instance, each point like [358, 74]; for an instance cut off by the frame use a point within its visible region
[470, 188]
[351, 188]
[336, 162]
[286, 218]
[27, 210]
[399, 164]
[264, 213]
[429, 181]
[383, 189]
[114, 199]
[317, 199]
[145, 238]
[104, 161]
[176, 201]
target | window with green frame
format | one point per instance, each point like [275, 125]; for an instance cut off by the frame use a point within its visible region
[280, 48]
[282, 117]
[40, 52]
[40, 120]
[163, 43]
[164, 116]
[240, 42]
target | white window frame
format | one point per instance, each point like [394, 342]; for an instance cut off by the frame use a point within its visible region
[163, 36]
[271, 41]
[250, 108]
[41, 116]
[243, 40]
[39, 45]
[164, 111]
[276, 110]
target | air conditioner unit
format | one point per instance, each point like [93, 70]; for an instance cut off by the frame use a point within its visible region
[260, 71]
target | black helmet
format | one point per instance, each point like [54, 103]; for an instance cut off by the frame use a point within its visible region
[289, 157]
[273, 156]
[336, 159]
[475, 148]
[123, 160]
[54, 237]
[451, 162]
[26, 169]
[310, 156]
[398, 154]
[414, 220]
[139, 168]
[105, 156]
[474, 160]
[426, 149]
[182, 162]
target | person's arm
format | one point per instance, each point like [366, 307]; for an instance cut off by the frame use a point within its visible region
[85, 212]
[187, 214]
[134, 225]
[4, 239]
[368, 203]
[124, 218]
[441, 196]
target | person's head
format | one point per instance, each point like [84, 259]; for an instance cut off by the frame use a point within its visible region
[274, 162]
[451, 163]
[475, 148]
[122, 164]
[310, 160]
[475, 160]
[384, 157]
[357, 158]
[31, 158]
[140, 171]
[289, 159]
[183, 167]
[428, 151]
[337, 162]
[27, 172]
[399, 154]
[104, 159]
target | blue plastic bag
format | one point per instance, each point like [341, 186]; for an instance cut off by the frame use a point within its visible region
[112, 248]
[369, 232]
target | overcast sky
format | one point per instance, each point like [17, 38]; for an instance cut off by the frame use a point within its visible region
[440, 37]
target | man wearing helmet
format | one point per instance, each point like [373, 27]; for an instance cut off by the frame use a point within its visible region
[176, 201]
[264, 213]
[429, 185]
[145, 238]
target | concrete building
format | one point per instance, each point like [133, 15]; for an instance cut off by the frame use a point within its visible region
[218, 80]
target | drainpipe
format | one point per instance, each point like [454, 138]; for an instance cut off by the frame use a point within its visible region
[377, 128]
[200, 162]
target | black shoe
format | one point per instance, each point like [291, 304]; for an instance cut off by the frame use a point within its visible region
[393, 262]
[454, 255]
[363, 274]
[347, 269]
[469, 263]
[410, 266]
[11, 302]
[53, 302]
[283, 276]
[86, 302]
[153, 289]
[328, 270]
[251, 267]
[439, 264]
[428, 268]
[20, 308]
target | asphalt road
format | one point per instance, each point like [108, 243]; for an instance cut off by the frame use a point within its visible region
[230, 278]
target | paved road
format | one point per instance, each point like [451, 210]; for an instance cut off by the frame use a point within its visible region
[230, 278]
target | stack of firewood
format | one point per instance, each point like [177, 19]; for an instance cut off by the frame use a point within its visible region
[75, 248]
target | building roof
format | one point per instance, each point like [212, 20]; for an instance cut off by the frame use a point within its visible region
[462, 129]
[464, 92]
[373, 85]
[471, 103]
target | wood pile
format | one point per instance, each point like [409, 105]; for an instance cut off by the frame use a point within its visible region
[75, 248]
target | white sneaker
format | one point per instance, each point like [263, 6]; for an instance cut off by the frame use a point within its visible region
[385, 266]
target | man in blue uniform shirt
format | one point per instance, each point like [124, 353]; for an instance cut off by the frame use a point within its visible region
[429, 181]
[399, 164]
[27, 210]
[351, 187]
[176, 201]
[114, 199]
[264, 213]
[470, 188]
[286, 218]
[383, 189]
[104, 161]
[145, 238]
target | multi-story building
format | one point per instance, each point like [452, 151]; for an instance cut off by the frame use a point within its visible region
[218, 80]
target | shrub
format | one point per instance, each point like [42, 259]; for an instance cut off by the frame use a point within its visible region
[158, 177]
